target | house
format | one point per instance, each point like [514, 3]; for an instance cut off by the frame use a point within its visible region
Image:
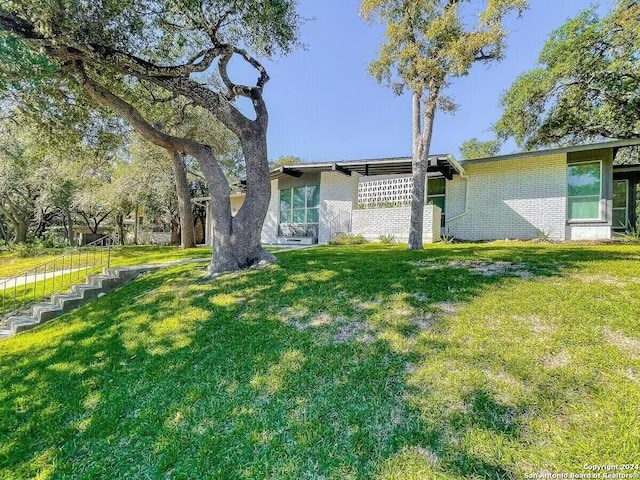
[572, 193]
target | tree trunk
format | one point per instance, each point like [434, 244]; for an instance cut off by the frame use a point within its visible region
[120, 224]
[135, 226]
[21, 230]
[236, 240]
[185, 209]
[69, 225]
[420, 163]
[175, 231]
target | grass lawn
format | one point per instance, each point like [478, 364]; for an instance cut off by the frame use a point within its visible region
[11, 264]
[339, 362]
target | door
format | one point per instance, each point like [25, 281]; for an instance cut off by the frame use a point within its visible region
[621, 220]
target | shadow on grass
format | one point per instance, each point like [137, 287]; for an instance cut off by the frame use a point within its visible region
[168, 377]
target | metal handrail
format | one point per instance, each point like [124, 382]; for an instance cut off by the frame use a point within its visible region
[15, 297]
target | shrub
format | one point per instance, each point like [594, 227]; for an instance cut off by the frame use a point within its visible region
[446, 238]
[631, 235]
[347, 239]
[24, 250]
[387, 239]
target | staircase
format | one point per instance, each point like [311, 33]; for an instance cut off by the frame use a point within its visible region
[95, 287]
[60, 303]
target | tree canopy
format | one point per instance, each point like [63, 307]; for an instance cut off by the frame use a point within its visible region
[182, 48]
[427, 44]
[586, 86]
[474, 148]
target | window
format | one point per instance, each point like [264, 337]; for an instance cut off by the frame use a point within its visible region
[435, 191]
[620, 204]
[584, 190]
[300, 204]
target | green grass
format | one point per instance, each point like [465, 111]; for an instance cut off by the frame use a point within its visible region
[11, 264]
[339, 362]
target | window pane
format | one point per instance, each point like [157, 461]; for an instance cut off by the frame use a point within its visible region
[285, 216]
[436, 186]
[620, 194]
[312, 215]
[439, 201]
[584, 208]
[298, 216]
[298, 197]
[285, 199]
[584, 179]
[620, 218]
[313, 196]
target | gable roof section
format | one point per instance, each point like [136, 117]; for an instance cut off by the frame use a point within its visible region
[552, 151]
[443, 164]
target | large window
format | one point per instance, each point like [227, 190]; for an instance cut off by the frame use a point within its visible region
[620, 204]
[300, 204]
[584, 190]
[435, 191]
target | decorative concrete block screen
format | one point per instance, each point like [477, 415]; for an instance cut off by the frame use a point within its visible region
[373, 222]
[394, 192]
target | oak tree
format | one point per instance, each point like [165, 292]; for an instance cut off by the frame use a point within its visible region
[427, 44]
[586, 86]
[184, 48]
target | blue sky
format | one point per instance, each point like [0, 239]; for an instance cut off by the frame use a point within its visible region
[324, 106]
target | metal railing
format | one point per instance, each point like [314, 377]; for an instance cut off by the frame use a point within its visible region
[55, 276]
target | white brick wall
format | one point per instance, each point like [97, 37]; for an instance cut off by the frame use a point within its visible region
[270, 226]
[338, 197]
[371, 223]
[510, 199]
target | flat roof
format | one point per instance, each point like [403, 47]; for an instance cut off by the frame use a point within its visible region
[551, 151]
[443, 164]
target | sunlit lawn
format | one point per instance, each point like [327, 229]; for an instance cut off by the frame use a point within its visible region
[339, 362]
[11, 264]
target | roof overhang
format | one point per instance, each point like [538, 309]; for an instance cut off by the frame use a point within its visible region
[554, 151]
[444, 165]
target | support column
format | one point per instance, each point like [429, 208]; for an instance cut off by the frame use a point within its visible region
[208, 228]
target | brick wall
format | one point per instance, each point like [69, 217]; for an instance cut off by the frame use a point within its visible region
[338, 197]
[371, 223]
[509, 199]
[270, 226]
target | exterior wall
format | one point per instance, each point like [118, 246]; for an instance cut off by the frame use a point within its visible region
[595, 230]
[371, 223]
[510, 199]
[270, 226]
[338, 197]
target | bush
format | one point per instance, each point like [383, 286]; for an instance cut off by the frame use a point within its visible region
[446, 238]
[24, 250]
[52, 239]
[347, 239]
[387, 239]
[631, 235]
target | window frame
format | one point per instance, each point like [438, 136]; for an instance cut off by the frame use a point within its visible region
[428, 198]
[600, 194]
[292, 208]
[626, 204]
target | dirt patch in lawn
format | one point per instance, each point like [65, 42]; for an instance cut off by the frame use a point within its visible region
[629, 345]
[423, 323]
[488, 269]
[556, 360]
[537, 325]
[602, 278]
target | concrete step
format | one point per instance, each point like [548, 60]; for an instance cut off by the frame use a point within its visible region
[125, 274]
[46, 311]
[86, 291]
[68, 301]
[105, 282]
[20, 323]
[5, 333]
